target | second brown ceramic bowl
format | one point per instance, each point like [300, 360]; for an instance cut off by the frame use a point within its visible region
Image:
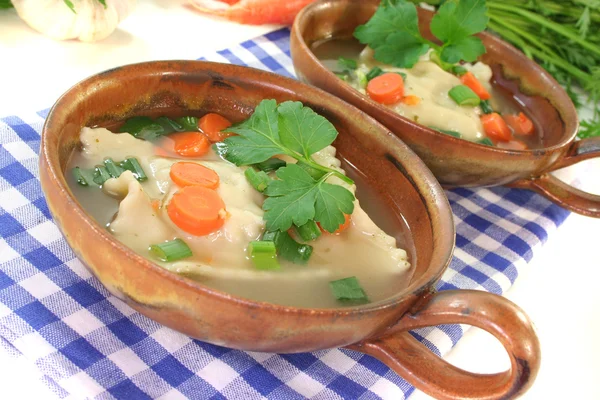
[390, 168]
[453, 161]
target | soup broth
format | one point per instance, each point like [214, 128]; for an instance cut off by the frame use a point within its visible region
[220, 259]
[441, 113]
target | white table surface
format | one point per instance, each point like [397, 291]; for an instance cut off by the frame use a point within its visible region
[557, 289]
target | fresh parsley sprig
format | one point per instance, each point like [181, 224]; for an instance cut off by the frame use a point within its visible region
[393, 32]
[296, 197]
[289, 129]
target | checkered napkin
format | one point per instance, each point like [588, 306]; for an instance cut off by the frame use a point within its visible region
[88, 344]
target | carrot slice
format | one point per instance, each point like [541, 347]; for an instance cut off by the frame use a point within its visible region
[190, 144]
[473, 83]
[513, 145]
[197, 210]
[387, 88]
[411, 100]
[212, 124]
[185, 173]
[495, 127]
[520, 124]
[345, 225]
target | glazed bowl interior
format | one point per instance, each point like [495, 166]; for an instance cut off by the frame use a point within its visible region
[455, 162]
[407, 188]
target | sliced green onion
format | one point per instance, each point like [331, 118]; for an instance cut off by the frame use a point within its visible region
[347, 63]
[348, 289]
[486, 107]
[288, 248]
[188, 123]
[459, 70]
[272, 164]
[258, 179]
[263, 255]
[168, 125]
[486, 141]
[374, 73]
[313, 172]
[101, 175]
[464, 96]
[114, 170]
[309, 231]
[342, 75]
[133, 165]
[142, 128]
[171, 251]
[79, 176]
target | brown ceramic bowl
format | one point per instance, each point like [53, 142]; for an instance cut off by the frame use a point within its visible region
[390, 168]
[457, 162]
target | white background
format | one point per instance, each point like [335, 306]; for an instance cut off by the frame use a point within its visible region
[558, 289]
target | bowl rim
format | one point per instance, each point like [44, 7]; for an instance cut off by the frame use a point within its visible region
[568, 137]
[434, 200]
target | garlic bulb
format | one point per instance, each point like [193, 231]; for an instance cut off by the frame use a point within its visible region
[90, 22]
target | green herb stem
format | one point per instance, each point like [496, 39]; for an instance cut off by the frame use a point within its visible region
[532, 40]
[512, 37]
[328, 171]
[546, 23]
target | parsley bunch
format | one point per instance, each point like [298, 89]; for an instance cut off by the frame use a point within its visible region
[301, 192]
[393, 32]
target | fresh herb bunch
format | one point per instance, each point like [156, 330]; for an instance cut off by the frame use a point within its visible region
[68, 3]
[300, 193]
[393, 33]
[561, 35]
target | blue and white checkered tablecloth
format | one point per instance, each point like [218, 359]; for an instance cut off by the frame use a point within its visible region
[88, 344]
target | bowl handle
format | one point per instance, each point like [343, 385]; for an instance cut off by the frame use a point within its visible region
[564, 194]
[440, 379]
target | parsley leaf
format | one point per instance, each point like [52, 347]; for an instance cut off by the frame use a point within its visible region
[5, 4]
[258, 137]
[289, 129]
[292, 199]
[300, 193]
[303, 130]
[296, 198]
[393, 32]
[454, 24]
[333, 202]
